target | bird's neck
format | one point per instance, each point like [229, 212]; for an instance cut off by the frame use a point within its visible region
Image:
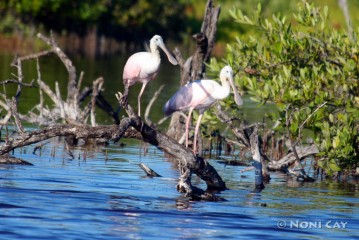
[154, 50]
[224, 91]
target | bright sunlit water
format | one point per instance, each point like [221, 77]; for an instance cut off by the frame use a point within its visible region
[103, 194]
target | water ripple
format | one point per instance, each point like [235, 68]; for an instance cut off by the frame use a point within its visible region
[107, 196]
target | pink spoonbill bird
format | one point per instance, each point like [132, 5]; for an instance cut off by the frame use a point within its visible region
[143, 67]
[201, 95]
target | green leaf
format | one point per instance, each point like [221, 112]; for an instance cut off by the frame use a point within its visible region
[350, 65]
[259, 7]
[331, 118]
[333, 166]
[294, 127]
[336, 142]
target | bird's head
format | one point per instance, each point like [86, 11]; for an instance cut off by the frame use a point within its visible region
[227, 74]
[157, 41]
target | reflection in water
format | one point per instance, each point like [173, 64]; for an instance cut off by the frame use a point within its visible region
[107, 196]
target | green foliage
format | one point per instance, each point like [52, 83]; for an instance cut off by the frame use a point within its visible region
[132, 21]
[309, 71]
[125, 20]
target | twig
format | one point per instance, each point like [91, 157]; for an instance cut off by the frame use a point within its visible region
[3, 104]
[15, 114]
[149, 106]
[306, 120]
[80, 81]
[97, 86]
[240, 133]
[17, 63]
[69, 151]
[247, 169]
[39, 147]
[60, 101]
[107, 107]
[48, 91]
[31, 84]
[162, 120]
[41, 104]
[35, 55]
[6, 119]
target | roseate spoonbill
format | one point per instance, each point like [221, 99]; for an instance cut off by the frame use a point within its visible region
[143, 67]
[200, 95]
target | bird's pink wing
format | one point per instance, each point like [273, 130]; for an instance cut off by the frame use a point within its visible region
[140, 67]
[131, 70]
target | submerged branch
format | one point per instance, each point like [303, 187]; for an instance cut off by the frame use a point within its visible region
[6, 159]
[149, 171]
[290, 158]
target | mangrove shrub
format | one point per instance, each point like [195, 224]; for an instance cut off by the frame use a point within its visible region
[309, 71]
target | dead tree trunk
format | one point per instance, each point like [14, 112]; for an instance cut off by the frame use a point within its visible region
[258, 166]
[194, 67]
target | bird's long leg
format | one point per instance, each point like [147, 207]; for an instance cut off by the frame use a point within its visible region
[187, 124]
[196, 133]
[139, 98]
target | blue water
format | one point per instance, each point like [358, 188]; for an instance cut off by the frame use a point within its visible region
[103, 194]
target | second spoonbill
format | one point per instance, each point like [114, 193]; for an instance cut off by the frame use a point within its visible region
[201, 95]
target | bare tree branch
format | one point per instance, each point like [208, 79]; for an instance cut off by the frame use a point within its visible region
[13, 109]
[97, 86]
[71, 85]
[31, 84]
[149, 106]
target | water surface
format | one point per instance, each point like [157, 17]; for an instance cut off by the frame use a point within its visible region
[107, 196]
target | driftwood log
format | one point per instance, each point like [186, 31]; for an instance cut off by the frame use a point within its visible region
[132, 127]
[290, 158]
